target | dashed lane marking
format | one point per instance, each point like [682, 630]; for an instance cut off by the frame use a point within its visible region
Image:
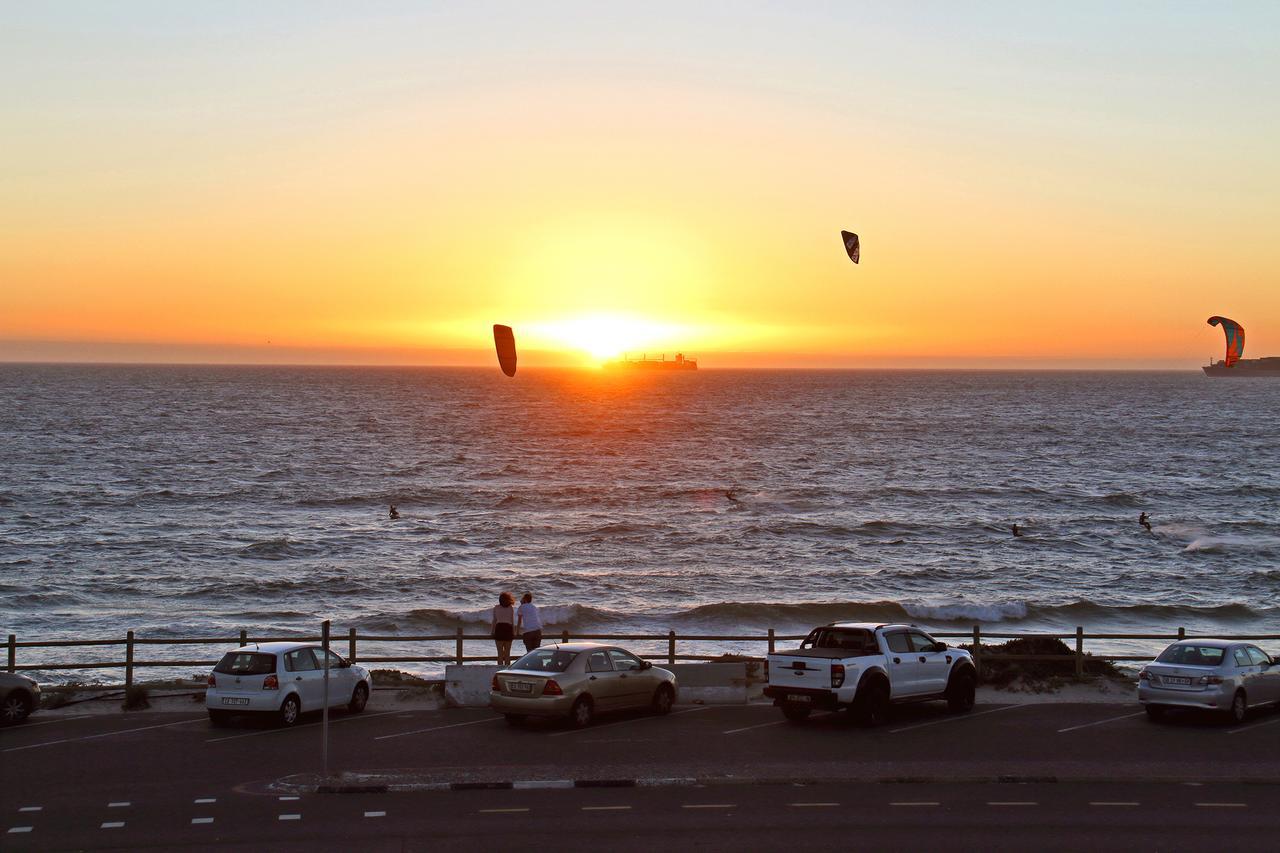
[914, 804]
[956, 719]
[606, 808]
[503, 811]
[626, 722]
[1100, 722]
[709, 806]
[1012, 803]
[123, 804]
[289, 817]
[1237, 731]
[296, 728]
[375, 814]
[14, 830]
[812, 805]
[204, 800]
[112, 824]
[196, 820]
[102, 735]
[1222, 805]
[440, 728]
[288, 799]
[1114, 804]
[31, 809]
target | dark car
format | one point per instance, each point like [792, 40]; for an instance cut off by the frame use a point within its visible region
[19, 696]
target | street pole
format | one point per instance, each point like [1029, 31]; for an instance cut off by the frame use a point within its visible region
[324, 727]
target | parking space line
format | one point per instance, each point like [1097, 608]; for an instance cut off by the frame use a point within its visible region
[101, 735]
[606, 808]
[440, 728]
[1236, 731]
[112, 824]
[1100, 722]
[31, 809]
[196, 820]
[120, 805]
[289, 817]
[14, 830]
[303, 726]
[625, 722]
[30, 725]
[957, 718]
[375, 814]
[765, 725]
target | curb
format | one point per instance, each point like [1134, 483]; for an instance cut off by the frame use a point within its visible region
[686, 782]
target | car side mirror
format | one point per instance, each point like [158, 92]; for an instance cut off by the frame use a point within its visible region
[939, 647]
[645, 664]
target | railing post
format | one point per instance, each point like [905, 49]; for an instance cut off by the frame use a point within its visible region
[564, 636]
[977, 650]
[128, 663]
[351, 644]
[244, 638]
[1182, 633]
[457, 646]
[1079, 651]
[671, 648]
[770, 641]
[13, 652]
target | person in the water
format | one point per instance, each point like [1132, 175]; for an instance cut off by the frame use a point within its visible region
[395, 513]
[1145, 521]
[1016, 531]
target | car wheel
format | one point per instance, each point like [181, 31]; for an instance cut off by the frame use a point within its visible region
[582, 712]
[961, 691]
[663, 698]
[796, 713]
[290, 711]
[514, 719]
[1155, 713]
[15, 708]
[359, 698]
[1239, 708]
[871, 707]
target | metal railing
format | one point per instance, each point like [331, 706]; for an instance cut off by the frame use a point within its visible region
[459, 638]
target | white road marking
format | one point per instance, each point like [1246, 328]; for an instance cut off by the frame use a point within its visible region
[288, 799]
[1012, 803]
[1237, 731]
[112, 824]
[709, 806]
[121, 805]
[812, 805]
[913, 804]
[1114, 804]
[31, 809]
[439, 728]
[606, 808]
[102, 734]
[289, 817]
[502, 811]
[957, 718]
[627, 722]
[1100, 722]
[303, 726]
[206, 800]
[749, 728]
[1223, 805]
[13, 830]
[51, 722]
[201, 820]
[375, 814]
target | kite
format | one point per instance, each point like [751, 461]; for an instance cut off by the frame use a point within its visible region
[504, 340]
[1235, 338]
[851, 245]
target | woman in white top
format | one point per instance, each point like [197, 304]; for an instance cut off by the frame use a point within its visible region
[504, 627]
[529, 623]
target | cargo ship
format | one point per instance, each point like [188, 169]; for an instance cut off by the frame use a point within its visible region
[1233, 364]
[646, 363]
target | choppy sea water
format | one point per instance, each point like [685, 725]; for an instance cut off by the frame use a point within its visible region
[196, 501]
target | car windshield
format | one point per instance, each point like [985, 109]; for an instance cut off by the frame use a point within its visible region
[546, 660]
[1192, 655]
[246, 663]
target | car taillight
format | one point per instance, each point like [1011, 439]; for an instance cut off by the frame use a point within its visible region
[551, 688]
[837, 674]
[497, 688]
[1144, 676]
[213, 682]
[270, 683]
[1211, 679]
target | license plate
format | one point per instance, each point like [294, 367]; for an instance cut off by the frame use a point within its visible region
[1176, 679]
[798, 697]
[520, 686]
[227, 701]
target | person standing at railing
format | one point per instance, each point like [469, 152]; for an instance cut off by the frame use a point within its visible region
[529, 623]
[504, 627]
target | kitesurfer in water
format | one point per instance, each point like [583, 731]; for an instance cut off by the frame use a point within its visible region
[1145, 521]
[1016, 531]
[394, 513]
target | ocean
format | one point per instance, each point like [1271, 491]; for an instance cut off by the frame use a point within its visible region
[197, 501]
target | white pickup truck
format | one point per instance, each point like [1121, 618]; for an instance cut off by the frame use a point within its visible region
[866, 668]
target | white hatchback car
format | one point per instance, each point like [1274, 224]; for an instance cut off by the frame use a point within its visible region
[283, 679]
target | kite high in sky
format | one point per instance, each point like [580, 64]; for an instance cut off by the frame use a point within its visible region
[851, 245]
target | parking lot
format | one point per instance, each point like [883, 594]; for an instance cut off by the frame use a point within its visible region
[65, 777]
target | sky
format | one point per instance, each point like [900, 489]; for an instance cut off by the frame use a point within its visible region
[1035, 185]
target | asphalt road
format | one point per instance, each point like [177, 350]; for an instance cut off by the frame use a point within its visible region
[171, 779]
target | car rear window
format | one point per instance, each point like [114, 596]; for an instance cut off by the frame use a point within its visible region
[246, 663]
[546, 660]
[1193, 655]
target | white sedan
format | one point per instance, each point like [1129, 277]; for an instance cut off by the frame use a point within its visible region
[285, 680]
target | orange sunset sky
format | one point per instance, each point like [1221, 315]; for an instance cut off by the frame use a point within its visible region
[1060, 186]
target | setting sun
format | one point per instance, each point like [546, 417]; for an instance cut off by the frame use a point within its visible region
[607, 336]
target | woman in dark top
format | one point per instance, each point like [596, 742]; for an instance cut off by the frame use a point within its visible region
[504, 627]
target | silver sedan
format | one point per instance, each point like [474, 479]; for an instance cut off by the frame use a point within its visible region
[579, 680]
[1216, 675]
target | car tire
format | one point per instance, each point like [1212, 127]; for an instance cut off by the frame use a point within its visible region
[359, 698]
[514, 719]
[219, 718]
[1239, 708]
[15, 708]
[1155, 713]
[663, 698]
[290, 712]
[871, 706]
[582, 712]
[961, 691]
[796, 713]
